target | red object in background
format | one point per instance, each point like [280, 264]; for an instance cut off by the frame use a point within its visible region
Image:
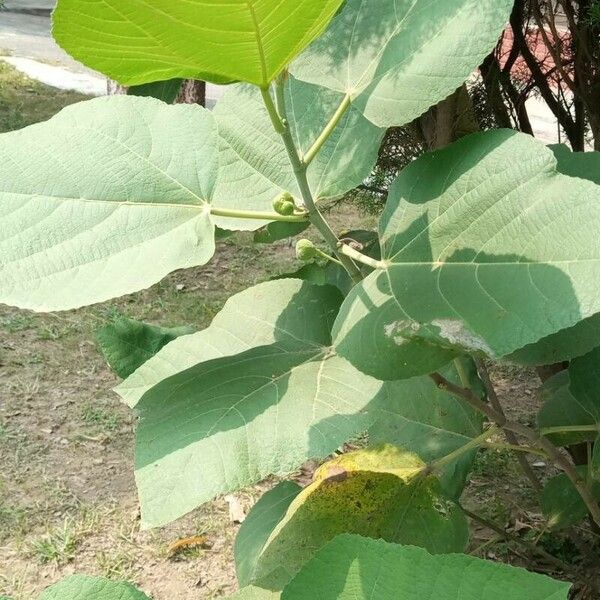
[537, 44]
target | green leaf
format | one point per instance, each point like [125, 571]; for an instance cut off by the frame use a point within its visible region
[355, 568]
[583, 337]
[377, 492]
[561, 503]
[279, 230]
[561, 346]
[584, 374]
[254, 165]
[103, 200]
[78, 587]
[127, 344]
[254, 593]
[577, 164]
[249, 319]
[481, 257]
[167, 91]
[395, 59]
[562, 409]
[258, 526]
[134, 43]
[416, 415]
[232, 421]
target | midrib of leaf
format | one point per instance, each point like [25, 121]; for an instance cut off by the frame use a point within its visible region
[434, 428]
[259, 42]
[78, 265]
[203, 206]
[323, 354]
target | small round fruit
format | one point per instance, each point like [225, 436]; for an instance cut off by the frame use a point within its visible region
[284, 204]
[305, 250]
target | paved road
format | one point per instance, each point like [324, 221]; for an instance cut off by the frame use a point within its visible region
[29, 4]
[25, 35]
[29, 36]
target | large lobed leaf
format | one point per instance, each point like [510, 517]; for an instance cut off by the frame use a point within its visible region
[487, 248]
[355, 568]
[396, 58]
[195, 380]
[228, 422]
[104, 199]
[257, 316]
[585, 335]
[143, 42]
[377, 492]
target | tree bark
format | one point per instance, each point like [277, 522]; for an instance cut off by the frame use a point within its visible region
[192, 91]
[448, 121]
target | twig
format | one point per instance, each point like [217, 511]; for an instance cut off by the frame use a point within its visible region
[517, 540]
[510, 436]
[500, 419]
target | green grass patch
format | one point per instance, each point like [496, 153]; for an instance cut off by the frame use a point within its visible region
[24, 101]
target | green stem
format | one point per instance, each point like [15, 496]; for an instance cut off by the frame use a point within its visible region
[278, 119]
[480, 440]
[529, 449]
[359, 257]
[570, 429]
[462, 372]
[324, 136]
[328, 257]
[261, 216]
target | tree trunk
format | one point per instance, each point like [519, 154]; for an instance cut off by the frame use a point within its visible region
[192, 91]
[448, 121]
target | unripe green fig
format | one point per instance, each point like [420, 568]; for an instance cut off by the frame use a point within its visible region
[305, 250]
[284, 204]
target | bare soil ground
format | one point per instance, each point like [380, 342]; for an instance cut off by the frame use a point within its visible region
[67, 495]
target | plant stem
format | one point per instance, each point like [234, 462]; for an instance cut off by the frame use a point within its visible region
[278, 118]
[359, 257]
[517, 448]
[510, 436]
[480, 440]
[460, 369]
[570, 429]
[262, 216]
[553, 452]
[328, 257]
[323, 137]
